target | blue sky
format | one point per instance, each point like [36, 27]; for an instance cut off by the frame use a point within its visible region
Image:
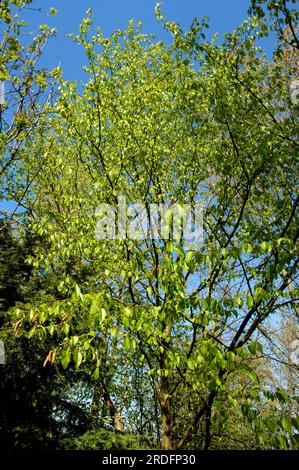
[110, 15]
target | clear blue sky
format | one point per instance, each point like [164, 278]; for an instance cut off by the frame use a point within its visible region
[113, 14]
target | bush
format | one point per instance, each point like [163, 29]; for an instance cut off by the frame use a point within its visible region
[102, 439]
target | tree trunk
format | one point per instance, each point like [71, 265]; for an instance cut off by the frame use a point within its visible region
[95, 406]
[108, 406]
[166, 414]
[114, 413]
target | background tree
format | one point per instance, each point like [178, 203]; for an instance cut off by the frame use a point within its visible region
[25, 89]
[35, 408]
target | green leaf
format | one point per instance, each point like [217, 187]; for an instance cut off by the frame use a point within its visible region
[78, 292]
[252, 348]
[103, 314]
[189, 257]
[74, 340]
[66, 329]
[296, 422]
[286, 425]
[51, 329]
[282, 396]
[66, 357]
[282, 442]
[78, 357]
[96, 373]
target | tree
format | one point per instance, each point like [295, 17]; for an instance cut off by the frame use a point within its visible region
[34, 403]
[152, 322]
[25, 89]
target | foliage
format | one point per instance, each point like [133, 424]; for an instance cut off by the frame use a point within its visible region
[35, 412]
[25, 90]
[170, 339]
[101, 439]
[35, 408]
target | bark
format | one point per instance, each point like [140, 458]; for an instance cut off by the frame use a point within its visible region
[114, 413]
[108, 406]
[164, 395]
[166, 414]
[95, 407]
[208, 428]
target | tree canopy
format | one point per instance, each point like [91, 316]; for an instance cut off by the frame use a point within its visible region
[175, 344]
